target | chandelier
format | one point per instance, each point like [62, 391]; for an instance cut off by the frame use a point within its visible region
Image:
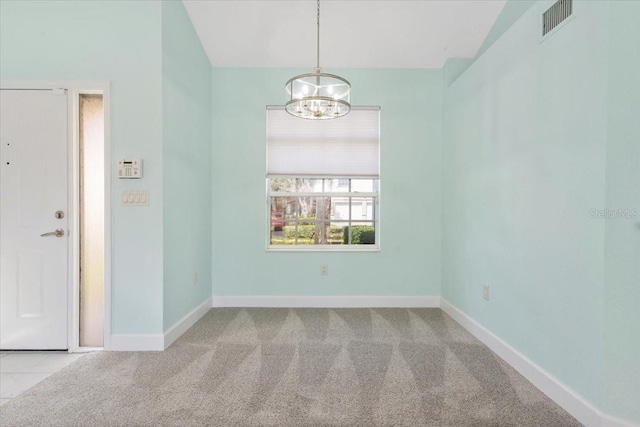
[318, 95]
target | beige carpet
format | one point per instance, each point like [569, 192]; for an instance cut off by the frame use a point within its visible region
[296, 367]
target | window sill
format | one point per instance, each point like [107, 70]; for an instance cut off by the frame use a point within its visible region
[323, 248]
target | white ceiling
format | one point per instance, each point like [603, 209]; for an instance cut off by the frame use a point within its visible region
[353, 33]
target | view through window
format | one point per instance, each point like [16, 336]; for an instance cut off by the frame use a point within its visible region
[321, 211]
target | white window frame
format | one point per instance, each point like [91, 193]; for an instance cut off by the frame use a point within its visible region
[375, 195]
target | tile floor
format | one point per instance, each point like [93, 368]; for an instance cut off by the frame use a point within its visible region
[21, 370]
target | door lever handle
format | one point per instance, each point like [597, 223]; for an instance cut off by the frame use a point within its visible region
[58, 233]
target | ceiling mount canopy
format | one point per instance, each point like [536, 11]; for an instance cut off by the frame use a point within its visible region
[318, 95]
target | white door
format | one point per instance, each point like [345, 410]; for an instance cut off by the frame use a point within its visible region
[34, 237]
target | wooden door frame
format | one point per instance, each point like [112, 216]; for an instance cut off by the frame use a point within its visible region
[74, 90]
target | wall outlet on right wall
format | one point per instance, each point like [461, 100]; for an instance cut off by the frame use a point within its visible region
[485, 292]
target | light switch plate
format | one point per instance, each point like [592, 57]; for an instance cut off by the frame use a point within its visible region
[135, 198]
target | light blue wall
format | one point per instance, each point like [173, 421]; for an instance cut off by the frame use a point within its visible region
[186, 124]
[622, 245]
[523, 160]
[511, 13]
[409, 262]
[535, 136]
[119, 42]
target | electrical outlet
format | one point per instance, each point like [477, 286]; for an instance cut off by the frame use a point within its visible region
[324, 270]
[485, 292]
[194, 279]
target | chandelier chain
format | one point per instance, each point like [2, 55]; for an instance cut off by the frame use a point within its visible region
[318, 39]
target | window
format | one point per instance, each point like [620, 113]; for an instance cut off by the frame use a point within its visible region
[323, 181]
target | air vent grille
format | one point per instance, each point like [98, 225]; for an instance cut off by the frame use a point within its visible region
[557, 13]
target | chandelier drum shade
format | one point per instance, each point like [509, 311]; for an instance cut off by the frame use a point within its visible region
[318, 95]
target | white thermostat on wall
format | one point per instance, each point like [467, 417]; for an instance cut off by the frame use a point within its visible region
[130, 168]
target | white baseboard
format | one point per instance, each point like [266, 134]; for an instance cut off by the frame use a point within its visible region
[137, 342]
[182, 325]
[567, 399]
[159, 342]
[611, 421]
[327, 301]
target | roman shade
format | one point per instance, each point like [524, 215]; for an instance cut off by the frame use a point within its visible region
[345, 147]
